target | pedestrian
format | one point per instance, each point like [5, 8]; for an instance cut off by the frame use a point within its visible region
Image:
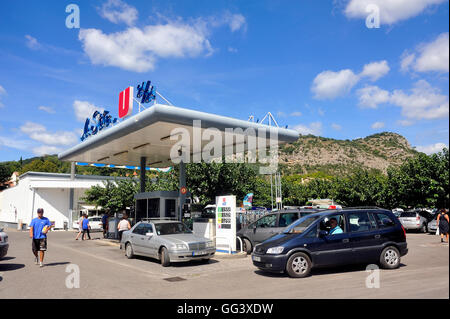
[80, 225]
[443, 224]
[105, 224]
[124, 225]
[39, 227]
[86, 227]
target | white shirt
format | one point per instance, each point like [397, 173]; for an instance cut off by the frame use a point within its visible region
[123, 224]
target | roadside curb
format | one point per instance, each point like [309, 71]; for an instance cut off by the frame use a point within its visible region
[229, 256]
[109, 242]
[217, 255]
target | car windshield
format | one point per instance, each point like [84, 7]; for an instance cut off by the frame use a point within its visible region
[408, 214]
[301, 225]
[171, 229]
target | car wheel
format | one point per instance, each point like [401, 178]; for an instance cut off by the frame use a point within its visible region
[129, 251]
[298, 265]
[390, 258]
[164, 256]
[247, 246]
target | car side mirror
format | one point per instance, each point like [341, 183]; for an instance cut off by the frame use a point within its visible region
[149, 234]
[323, 233]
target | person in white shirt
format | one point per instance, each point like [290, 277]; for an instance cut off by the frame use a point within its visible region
[124, 225]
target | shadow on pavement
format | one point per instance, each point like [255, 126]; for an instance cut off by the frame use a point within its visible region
[7, 258]
[323, 271]
[57, 264]
[9, 267]
[178, 264]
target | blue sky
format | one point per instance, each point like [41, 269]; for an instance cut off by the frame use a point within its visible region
[314, 64]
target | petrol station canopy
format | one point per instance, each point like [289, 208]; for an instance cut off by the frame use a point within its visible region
[148, 134]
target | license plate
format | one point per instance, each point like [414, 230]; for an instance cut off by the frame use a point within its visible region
[199, 253]
[256, 258]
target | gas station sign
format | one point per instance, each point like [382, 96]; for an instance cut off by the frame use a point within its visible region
[226, 223]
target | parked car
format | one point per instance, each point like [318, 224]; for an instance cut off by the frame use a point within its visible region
[397, 212]
[368, 236]
[94, 221]
[432, 225]
[167, 241]
[415, 220]
[268, 226]
[4, 245]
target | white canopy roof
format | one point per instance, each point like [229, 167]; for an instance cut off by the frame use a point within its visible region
[147, 134]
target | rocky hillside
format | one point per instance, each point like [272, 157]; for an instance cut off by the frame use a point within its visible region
[312, 154]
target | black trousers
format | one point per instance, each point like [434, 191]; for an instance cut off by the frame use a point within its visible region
[84, 232]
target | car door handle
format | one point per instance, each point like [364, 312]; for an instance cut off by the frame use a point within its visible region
[345, 240]
[132, 236]
[377, 236]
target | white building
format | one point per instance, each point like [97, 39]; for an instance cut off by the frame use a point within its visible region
[58, 194]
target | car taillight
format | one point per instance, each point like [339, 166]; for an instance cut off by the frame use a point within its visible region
[418, 217]
[332, 207]
[404, 231]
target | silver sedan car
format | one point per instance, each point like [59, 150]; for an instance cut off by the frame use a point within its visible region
[167, 241]
[3, 243]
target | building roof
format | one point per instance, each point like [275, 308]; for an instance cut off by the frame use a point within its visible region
[147, 134]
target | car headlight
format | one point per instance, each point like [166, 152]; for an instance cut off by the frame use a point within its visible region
[180, 247]
[210, 244]
[275, 250]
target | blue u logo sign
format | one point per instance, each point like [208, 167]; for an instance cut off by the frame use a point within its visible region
[99, 121]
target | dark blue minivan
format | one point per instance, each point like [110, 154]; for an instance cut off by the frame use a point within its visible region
[333, 238]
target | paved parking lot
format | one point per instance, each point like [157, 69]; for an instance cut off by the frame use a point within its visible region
[106, 273]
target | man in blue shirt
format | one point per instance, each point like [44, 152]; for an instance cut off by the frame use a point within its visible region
[39, 227]
[335, 229]
[86, 227]
[105, 224]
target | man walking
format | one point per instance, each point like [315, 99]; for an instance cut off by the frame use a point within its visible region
[86, 227]
[39, 227]
[105, 224]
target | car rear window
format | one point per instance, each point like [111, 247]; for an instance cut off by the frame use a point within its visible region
[408, 214]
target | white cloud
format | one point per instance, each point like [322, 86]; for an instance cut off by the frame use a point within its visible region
[377, 125]
[15, 143]
[407, 61]
[329, 84]
[371, 96]
[232, 50]
[46, 150]
[39, 133]
[236, 22]
[424, 102]
[47, 109]
[314, 128]
[297, 113]
[281, 114]
[336, 127]
[434, 56]
[433, 148]
[405, 122]
[117, 11]
[321, 112]
[2, 92]
[375, 70]
[84, 110]
[391, 11]
[32, 43]
[138, 49]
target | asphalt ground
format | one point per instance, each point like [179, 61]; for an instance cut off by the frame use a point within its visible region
[104, 272]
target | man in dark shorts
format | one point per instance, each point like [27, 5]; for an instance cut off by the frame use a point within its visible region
[105, 224]
[39, 227]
